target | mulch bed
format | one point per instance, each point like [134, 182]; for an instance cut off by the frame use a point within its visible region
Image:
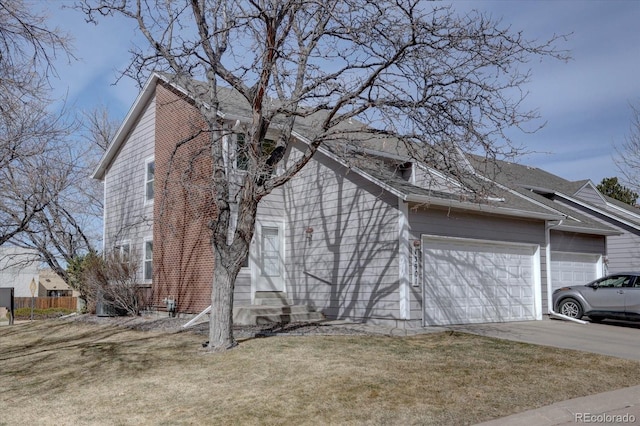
[175, 325]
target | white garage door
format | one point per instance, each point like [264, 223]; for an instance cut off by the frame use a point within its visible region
[471, 281]
[573, 269]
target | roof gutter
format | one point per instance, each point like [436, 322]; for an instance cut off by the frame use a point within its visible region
[582, 229]
[586, 205]
[597, 210]
[482, 208]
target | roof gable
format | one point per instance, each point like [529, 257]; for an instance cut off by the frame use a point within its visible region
[582, 193]
[590, 193]
[136, 110]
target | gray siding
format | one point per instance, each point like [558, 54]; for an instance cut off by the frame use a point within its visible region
[272, 205]
[452, 223]
[126, 215]
[571, 242]
[348, 266]
[623, 251]
[590, 195]
[242, 290]
[432, 180]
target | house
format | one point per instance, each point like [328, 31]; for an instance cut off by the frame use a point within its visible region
[362, 232]
[18, 268]
[582, 198]
[51, 285]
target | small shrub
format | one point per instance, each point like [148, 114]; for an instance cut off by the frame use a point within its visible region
[113, 280]
[40, 314]
[110, 281]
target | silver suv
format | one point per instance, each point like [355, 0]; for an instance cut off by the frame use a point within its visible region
[614, 296]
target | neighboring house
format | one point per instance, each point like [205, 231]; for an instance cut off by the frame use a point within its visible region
[18, 267]
[582, 198]
[378, 238]
[623, 250]
[51, 285]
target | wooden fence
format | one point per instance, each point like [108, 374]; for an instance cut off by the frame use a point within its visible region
[47, 302]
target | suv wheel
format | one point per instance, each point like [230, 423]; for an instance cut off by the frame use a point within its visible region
[571, 308]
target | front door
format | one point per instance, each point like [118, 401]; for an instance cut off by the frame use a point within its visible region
[268, 247]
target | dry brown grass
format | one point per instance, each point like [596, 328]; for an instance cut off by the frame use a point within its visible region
[56, 372]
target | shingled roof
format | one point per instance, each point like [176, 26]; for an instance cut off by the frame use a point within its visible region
[352, 137]
[539, 185]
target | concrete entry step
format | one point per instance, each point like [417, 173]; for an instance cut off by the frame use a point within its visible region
[277, 298]
[274, 307]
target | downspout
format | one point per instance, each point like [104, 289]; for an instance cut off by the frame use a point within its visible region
[403, 261]
[547, 237]
[552, 313]
[104, 215]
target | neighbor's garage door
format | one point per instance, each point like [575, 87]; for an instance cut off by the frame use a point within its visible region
[471, 281]
[569, 269]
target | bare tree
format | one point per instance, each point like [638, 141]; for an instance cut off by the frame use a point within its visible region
[418, 72]
[28, 49]
[29, 137]
[99, 128]
[49, 205]
[69, 225]
[29, 131]
[629, 151]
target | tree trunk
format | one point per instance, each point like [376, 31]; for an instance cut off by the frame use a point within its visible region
[221, 316]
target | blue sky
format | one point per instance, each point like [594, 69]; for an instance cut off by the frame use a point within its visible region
[584, 102]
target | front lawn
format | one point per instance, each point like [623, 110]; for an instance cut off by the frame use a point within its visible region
[64, 372]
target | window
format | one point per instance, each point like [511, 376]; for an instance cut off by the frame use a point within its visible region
[148, 260]
[122, 250]
[59, 293]
[242, 157]
[615, 281]
[149, 177]
[267, 146]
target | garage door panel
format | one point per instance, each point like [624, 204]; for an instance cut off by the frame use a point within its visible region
[501, 304]
[486, 282]
[500, 291]
[517, 292]
[570, 269]
[483, 291]
[475, 313]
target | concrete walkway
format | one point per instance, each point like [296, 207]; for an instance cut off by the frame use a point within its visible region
[613, 338]
[616, 407]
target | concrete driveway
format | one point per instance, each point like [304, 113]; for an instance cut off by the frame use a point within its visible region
[616, 338]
